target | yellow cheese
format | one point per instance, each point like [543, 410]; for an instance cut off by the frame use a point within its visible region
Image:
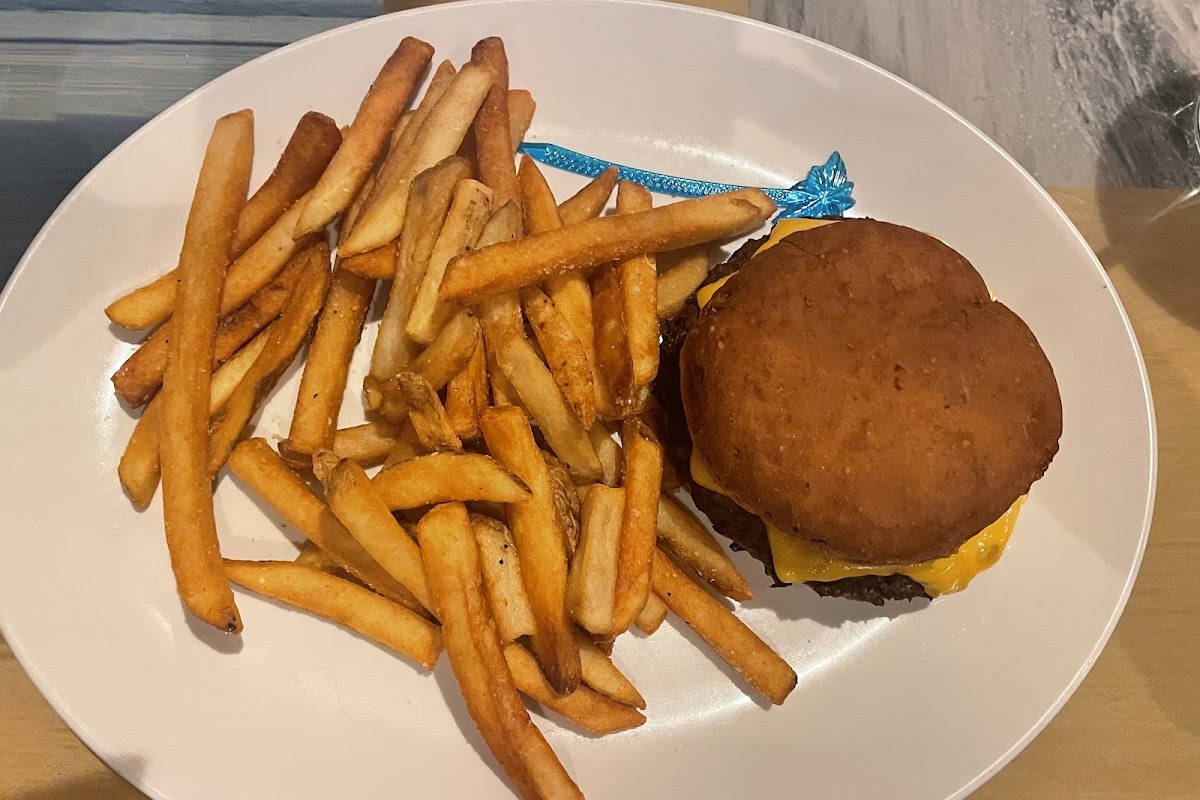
[797, 561]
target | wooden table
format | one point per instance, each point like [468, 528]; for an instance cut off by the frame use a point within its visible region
[1132, 729]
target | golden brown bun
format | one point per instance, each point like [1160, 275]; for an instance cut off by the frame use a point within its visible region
[856, 386]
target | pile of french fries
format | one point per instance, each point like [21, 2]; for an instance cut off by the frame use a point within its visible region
[518, 336]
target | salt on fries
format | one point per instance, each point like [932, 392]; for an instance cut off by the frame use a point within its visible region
[518, 337]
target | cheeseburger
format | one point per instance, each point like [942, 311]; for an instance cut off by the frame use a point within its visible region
[862, 416]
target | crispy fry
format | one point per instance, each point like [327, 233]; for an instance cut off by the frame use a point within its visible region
[591, 587]
[564, 353]
[344, 603]
[313, 143]
[540, 542]
[326, 370]
[567, 503]
[266, 473]
[681, 281]
[501, 315]
[600, 673]
[639, 520]
[437, 364]
[370, 132]
[617, 398]
[502, 578]
[538, 208]
[608, 451]
[138, 469]
[189, 518]
[141, 375]
[368, 444]
[652, 616]
[312, 556]
[639, 293]
[485, 272]
[469, 211]
[426, 413]
[588, 709]
[355, 502]
[431, 194]
[378, 264]
[411, 122]
[406, 447]
[448, 477]
[493, 127]
[589, 201]
[538, 392]
[467, 396]
[287, 336]
[682, 534]
[521, 108]
[477, 658]
[741, 648]
[438, 138]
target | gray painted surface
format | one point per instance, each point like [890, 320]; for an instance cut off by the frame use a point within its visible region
[1079, 91]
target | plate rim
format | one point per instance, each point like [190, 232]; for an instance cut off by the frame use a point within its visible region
[88, 737]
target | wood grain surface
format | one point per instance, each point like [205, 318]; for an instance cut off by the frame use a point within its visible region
[1132, 729]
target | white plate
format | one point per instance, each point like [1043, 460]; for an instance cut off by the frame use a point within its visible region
[915, 705]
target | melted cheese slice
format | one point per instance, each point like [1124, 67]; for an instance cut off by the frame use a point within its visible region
[797, 561]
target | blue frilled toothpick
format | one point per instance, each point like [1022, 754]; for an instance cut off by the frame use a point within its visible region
[826, 192]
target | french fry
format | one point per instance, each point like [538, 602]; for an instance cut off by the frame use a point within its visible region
[609, 453]
[538, 208]
[467, 396]
[141, 375]
[448, 477]
[521, 108]
[617, 397]
[502, 578]
[469, 211]
[639, 293]
[344, 603]
[540, 544]
[681, 281]
[406, 447]
[639, 520]
[431, 194]
[271, 478]
[486, 272]
[682, 534]
[450, 352]
[286, 338]
[354, 501]
[312, 556]
[567, 503]
[370, 132]
[740, 647]
[588, 709]
[589, 201]
[410, 124]
[600, 673]
[378, 264]
[138, 469]
[427, 414]
[501, 315]
[477, 658]
[312, 145]
[493, 126]
[592, 585]
[368, 444]
[437, 139]
[564, 353]
[327, 368]
[188, 513]
[538, 392]
[652, 615]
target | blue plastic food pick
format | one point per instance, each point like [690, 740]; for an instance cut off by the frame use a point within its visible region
[824, 193]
